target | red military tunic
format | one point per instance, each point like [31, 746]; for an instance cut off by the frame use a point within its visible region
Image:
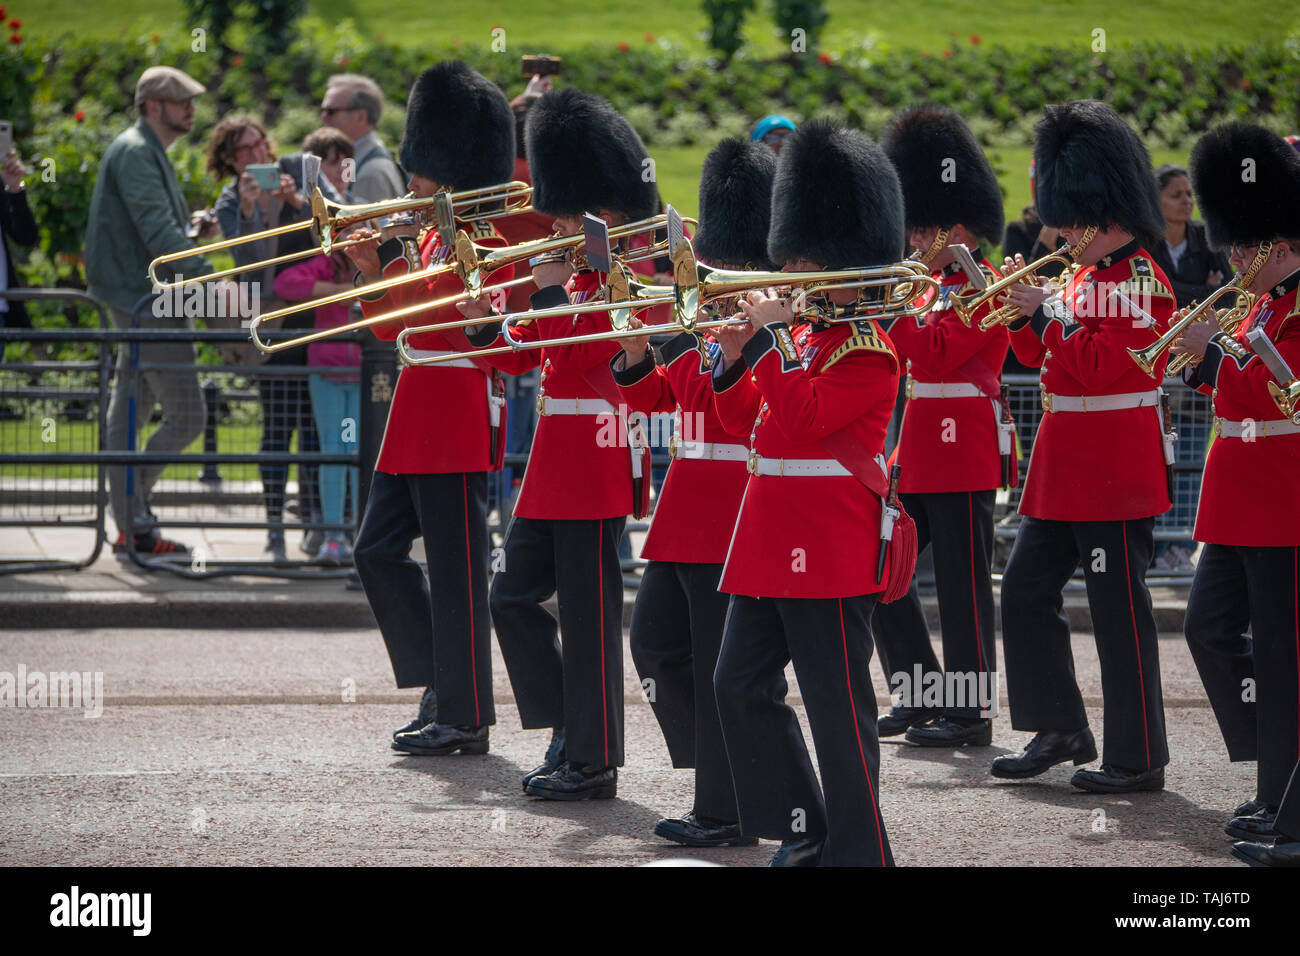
[1248, 495]
[951, 443]
[807, 537]
[1098, 465]
[696, 511]
[580, 466]
[439, 421]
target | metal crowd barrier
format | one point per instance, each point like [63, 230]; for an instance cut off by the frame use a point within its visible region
[50, 389]
[41, 488]
[67, 488]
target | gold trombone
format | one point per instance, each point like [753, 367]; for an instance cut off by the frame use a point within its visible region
[1229, 320]
[696, 284]
[965, 306]
[329, 219]
[470, 261]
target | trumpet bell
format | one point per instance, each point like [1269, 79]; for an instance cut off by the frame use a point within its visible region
[1287, 399]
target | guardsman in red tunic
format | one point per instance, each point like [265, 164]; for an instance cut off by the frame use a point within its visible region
[953, 446]
[1248, 575]
[1097, 473]
[679, 614]
[578, 489]
[442, 436]
[802, 565]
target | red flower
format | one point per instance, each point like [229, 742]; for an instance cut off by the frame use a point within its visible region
[948, 54]
[237, 60]
[2, 13]
[15, 24]
[649, 38]
[15, 39]
[343, 61]
[824, 57]
[154, 38]
[80, 117]
[974, 38]
[623, 47]
[1245, 84]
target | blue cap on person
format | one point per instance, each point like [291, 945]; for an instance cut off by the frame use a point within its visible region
[777, 124]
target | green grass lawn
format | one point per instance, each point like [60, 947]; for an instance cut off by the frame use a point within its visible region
[533, 25]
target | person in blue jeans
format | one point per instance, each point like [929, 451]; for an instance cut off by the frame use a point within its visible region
[335, 394]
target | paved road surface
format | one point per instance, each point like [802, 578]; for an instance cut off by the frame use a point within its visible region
[236, 747]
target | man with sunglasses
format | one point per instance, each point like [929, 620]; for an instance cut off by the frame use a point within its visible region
[353, 104]
[137, 213]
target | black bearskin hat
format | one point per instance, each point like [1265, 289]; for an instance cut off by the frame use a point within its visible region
[459, 128]
[1245, 203]
[1091, 169]
[836, 200]
[945, 176]
[736, 204]
[584, 156]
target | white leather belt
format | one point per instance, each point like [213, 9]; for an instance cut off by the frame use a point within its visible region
[546, 405]
[1264, 428]
[942, 389]
[431, 353]
[1098, 403]
[798, 467]
[706, 451]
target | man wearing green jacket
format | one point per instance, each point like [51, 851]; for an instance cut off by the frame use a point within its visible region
[137, 213]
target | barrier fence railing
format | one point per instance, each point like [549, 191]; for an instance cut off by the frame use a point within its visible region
[54, 459]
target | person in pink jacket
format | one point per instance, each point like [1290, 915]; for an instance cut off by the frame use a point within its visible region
[335, 394]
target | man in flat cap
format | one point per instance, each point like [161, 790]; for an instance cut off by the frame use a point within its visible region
[137, 213]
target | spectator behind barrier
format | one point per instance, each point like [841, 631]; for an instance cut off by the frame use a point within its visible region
[1194, 269]
[243, 208]
[137, 213]
[353, 104]
[772, 130]
[17, 224]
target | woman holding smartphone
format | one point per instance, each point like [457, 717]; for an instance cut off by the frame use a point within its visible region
[263, 193]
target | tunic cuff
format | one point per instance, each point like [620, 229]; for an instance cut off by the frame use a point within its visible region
[626, 375]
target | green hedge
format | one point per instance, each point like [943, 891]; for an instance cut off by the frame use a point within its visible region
[68, 98]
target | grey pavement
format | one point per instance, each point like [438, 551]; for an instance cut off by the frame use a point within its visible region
[270, 746]
[113, 592]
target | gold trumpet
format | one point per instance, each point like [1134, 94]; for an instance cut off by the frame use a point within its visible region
[1287, 399]
[1229, 320]
[329, 218]
[965, 306]
[696, 284]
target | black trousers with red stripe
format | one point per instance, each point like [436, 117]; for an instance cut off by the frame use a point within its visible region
[1253, 681]
[1036, 634]
[777, 792]
[438, 632]
[676, 633]
[577, 685]
[959, 525]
